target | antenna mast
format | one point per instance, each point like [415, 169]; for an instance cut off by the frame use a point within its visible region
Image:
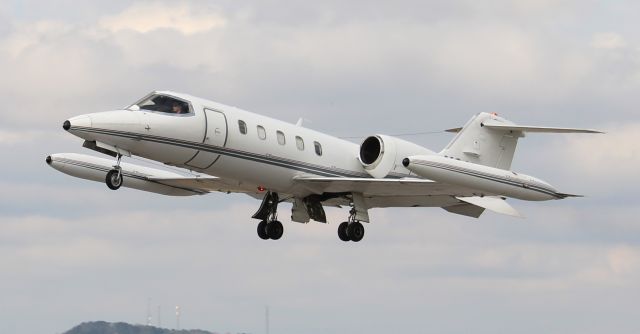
[149, 311]
[266, 319]
[178, 317]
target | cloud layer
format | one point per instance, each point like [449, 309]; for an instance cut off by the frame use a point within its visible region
[72, 251]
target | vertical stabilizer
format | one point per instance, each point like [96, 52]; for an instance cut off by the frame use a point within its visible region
[478, 144]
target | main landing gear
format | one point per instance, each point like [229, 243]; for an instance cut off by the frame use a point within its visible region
[351, 230]
[114, 176]
[269, 226]
[311, 207]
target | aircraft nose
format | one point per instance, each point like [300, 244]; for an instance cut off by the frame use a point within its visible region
[75, 122]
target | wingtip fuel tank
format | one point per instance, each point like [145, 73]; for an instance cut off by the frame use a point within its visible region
[96, 169]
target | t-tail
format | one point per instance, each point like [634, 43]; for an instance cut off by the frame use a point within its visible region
[480, 157]
[490, 140]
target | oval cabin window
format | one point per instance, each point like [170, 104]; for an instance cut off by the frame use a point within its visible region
[262, 134]
[318, 148]
[299, 143]
[281, 139]
[243, 127]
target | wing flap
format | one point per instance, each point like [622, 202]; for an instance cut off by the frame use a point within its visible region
[378, 187]
[204, 184]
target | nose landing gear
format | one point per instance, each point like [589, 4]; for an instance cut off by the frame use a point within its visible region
[114, 176]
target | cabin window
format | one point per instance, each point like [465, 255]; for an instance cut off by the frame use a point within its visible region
[299, 143]
[318, 147]
[262, 134]
[242, 126]
[281, 139]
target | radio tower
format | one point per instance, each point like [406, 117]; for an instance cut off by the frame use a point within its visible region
[149, 311]
[178, 317]
[266, 319]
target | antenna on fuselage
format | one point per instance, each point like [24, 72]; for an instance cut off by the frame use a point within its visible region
[302, 120]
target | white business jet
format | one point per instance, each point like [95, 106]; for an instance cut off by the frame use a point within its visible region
[233, 150]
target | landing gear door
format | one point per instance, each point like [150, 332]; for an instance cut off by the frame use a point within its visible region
[215, 138]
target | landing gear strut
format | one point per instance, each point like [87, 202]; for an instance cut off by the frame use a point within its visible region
[351, 230]
[114, 176]
[269, 226]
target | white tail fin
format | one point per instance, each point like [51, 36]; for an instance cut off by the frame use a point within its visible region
[484, 146]
[490, 140]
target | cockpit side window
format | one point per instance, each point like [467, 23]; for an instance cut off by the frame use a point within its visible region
[165, 104]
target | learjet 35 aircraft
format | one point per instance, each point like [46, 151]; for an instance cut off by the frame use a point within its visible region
[236, 151]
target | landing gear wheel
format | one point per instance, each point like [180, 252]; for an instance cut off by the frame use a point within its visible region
[262, 230]
[114, 179]
[275, 230]
[355, 231]
[342, 231]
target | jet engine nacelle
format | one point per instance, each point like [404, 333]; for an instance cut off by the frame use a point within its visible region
[381, 155]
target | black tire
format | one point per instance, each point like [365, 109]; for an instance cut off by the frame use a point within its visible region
[262, 230]
[114, 179]
[342, 232]
[275, 230]
[355, 231]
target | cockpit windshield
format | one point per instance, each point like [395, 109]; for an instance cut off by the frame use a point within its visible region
[163, 103]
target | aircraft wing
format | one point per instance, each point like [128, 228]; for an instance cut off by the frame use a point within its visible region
[410, 192]
[405, 192]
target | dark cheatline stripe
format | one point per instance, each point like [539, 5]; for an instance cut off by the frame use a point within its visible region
[124, 174]
[486, 176]
[266, 159]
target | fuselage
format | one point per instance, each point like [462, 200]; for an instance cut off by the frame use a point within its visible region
[225, 141]
[234, 144]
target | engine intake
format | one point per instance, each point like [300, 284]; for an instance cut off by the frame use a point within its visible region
[371, 150]
[381, 154]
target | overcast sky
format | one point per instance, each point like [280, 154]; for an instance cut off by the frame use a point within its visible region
[74, 251]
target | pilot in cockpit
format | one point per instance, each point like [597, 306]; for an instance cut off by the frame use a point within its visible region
[177, 108]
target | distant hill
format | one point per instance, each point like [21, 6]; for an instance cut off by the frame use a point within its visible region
[101, 327]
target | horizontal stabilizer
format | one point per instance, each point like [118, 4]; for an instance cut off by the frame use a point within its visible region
[495, 204]
[492, 124]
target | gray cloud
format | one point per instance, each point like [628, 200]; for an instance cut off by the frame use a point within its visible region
[71, 251]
